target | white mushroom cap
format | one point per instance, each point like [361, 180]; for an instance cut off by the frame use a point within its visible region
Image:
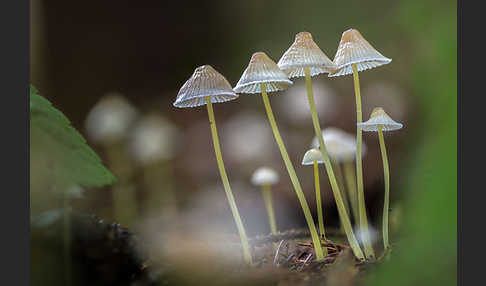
[205, 81]
[312, 155]
[264, 176]
[110, 119]
[340, 145]
[379, 117]
[262, 69]
[354, 49]
[304, 52]
[154, 138]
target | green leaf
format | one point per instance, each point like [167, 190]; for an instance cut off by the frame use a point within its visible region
[58, 151]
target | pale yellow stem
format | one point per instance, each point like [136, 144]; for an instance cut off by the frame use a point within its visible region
[320, 214]
[348, 229]
[267, 198]
[386, 170]
[363, 220]
[158, 181]
[340, 180]
[125, 209]
[226, 185]
[320, 253]
[351, 188]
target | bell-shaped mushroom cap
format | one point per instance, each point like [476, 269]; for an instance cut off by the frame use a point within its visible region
[264, 176]
[379, 117]
[205, 81]
[340, 145]
[262, 69]
[354, 49]
[311, 156]
[304, 52]
[110, 119]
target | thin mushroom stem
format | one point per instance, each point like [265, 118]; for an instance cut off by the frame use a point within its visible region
[320, 253]
[123, 193]
[267, 198]
[363, 220]
[320, 216]
[67, 240]
[386, 170]
[158, 179]
[340, 180]
[227, 188]
[350, 178]
[348, 229]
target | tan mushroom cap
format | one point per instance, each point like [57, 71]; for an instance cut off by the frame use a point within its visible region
[205, 81]
[264, 176]
[312, 155]
[262, 69]
[354, 49]
[304, 52]
[379, 117]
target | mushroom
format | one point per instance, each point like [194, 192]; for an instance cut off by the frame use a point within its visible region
[314, 157]
[262, 75]
[110, 119]
[355, 54]
[380, 121]
[154, 144]
[305, 58]
[341, 147]
[265, 177]
[108, 123]
[205, 87]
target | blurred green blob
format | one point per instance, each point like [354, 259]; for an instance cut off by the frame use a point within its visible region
[426, 248]
[59, 155]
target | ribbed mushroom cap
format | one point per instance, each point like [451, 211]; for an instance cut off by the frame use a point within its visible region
[304, 52]
[340, 145]
[354, 49]
[379, 117]
[262, 69]
[205, 81]
[311, 156]
[264, 176]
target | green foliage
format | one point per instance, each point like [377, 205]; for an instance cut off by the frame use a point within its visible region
[426, 250]
[58, 151]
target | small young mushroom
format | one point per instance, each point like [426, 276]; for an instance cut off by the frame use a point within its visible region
[262, 75]
[110, 119]
[205, 87]
[380, 121]
[265, 177]
[108, 123]
[314, 157]
[154, 143]
[355, 54]
[341, 147]
[305, 58]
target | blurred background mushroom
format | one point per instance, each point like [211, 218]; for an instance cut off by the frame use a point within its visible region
[154, 143]
[108, 124]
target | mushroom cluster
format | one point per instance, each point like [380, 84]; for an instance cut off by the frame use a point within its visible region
[332, 147]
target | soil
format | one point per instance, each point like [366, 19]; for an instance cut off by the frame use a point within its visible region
[105, 253]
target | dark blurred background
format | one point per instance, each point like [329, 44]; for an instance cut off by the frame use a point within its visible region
[146, 50]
